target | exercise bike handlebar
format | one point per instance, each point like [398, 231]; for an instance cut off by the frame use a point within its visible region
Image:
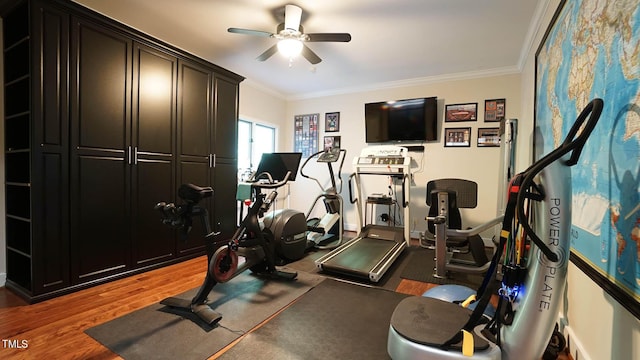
[270, 184]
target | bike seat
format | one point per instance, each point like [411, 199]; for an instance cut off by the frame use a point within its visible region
[193, 194]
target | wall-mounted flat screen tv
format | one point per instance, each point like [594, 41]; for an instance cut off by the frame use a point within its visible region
[402, 120]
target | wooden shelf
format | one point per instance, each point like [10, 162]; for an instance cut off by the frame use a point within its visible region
[19, 234]
[17, 166]
[18, 21]
[19, 266]
[16, 61]
[18, 132]
[19, 201]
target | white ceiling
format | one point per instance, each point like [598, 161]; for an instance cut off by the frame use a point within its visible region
[393, 42]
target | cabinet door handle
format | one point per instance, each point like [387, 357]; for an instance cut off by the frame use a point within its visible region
[129, 155]
[135, 155]
[214, 160]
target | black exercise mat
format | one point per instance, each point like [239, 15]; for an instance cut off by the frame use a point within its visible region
[158, 332]
[334, 320]
[421, 264]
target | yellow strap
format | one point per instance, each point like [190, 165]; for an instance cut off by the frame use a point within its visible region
[467, 343]
[504, 234]
[469, 300]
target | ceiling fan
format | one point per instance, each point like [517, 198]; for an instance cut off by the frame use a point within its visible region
[291, 37]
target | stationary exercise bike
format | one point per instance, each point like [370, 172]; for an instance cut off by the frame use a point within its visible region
[326, 232]
[252, 240]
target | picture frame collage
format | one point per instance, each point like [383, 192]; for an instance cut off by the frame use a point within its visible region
[306, 132]
[494, 112]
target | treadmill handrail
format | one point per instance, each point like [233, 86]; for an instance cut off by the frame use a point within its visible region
[405, 203]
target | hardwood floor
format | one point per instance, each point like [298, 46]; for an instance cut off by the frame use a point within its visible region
[54, 329]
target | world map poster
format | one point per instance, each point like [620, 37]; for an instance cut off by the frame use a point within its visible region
[592, 50]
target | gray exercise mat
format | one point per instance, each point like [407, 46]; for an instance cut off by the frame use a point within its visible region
[157, 332]
[420, 267]
[334, 320]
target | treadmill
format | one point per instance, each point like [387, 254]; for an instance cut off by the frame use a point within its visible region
[376, 247]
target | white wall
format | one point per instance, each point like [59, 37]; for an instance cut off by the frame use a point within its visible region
[479, 164]
[598, 326]
[259, 104]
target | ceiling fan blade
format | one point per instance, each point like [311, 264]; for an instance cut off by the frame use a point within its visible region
[332, 37]
[250, 32]
[292, 15]
[268, 53]
[310, 55]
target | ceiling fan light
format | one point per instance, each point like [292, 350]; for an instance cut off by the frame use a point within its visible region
[290, 48]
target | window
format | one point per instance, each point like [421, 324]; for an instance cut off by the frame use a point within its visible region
[253, 140]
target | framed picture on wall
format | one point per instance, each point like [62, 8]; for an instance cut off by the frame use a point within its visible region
[331, 142]
[461, 112]
[489, 137]
[494, 110]
[305, 134]
[457, 137]
[332, 122]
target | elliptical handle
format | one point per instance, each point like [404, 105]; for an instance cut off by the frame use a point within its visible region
[344, 155]
[593, 111]
[351, 199]
[305, 164]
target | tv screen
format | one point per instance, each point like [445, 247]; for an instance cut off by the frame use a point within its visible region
[401, 120]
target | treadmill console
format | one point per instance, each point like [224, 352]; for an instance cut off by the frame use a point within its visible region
[383, 159]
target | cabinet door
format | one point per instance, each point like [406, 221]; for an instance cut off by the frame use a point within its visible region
[50, 184]
[194, 110]
[198, 173]
[226, 118]
[225, 211]
[225, 172]
[100, 169]
[194, 140]
[154, 98]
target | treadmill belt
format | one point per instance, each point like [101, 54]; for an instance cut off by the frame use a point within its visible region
[362, 256]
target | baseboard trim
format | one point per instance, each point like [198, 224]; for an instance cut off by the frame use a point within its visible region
[576, 349]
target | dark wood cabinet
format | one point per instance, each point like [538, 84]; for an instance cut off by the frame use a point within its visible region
[101, 123]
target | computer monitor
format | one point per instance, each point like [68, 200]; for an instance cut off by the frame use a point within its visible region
[277, 164]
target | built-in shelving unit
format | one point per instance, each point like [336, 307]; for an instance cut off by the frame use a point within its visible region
[17, 120]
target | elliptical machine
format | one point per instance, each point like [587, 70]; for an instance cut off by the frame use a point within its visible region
[252, 240]
[326, 233]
